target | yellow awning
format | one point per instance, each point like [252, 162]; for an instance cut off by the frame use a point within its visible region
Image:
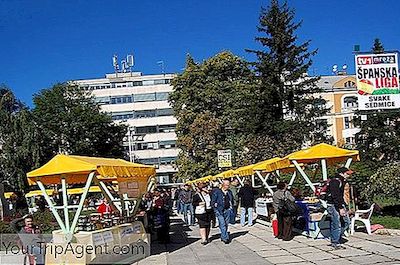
[223, 175]
[76, 169]
[317, 152]
[245, 170]
[269, 165]
[38, 193]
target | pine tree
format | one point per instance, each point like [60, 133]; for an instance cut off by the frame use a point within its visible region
[378, 46]
[286, 105]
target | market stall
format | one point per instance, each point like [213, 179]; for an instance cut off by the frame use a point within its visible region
[132, 180]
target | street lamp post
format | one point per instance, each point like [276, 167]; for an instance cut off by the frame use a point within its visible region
[130, 142]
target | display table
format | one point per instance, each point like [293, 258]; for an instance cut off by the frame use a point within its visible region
[317, 224]
[108, 245]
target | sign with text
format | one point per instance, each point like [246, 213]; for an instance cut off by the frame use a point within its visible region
[377, 78]
[224, 158]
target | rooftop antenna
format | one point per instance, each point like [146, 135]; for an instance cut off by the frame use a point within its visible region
[161, 64]
[130, 62]
[124, 66]
[115, 64]
[344, 68]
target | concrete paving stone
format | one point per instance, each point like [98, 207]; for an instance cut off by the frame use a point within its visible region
[340, 261]
[374, 247]
[274, 253]
[305, 263]
[260, 247]
[392, 254]
[290, 244]
[317, 256]
[369, 259]
[350, 252]
[304, 250]
[285, 259]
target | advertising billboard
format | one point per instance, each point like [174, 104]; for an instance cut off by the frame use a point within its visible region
[377, 78]
[224, 158]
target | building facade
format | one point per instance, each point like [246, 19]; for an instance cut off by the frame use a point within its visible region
[340, 93]
[141, 102]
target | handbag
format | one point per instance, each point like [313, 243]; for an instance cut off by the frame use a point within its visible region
[201, 209]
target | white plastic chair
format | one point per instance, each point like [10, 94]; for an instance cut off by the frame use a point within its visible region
[359, 216]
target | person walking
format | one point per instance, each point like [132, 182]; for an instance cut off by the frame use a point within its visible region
[246, 197]
[186, 196]
[222, 202]
[203, 211]
[336, 206]
[234, 187]
[285, 220]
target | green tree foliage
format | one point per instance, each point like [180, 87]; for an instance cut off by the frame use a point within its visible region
[19, 151]
[286, 110]
[386, 181]
[211, 103]
[378, 46]
[69, 121]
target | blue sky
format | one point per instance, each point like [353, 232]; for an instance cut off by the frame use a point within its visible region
[47, 41]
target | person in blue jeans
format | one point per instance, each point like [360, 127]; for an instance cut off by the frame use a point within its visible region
[186, 197]
[336, 207]
[246, 197]
[222, 203]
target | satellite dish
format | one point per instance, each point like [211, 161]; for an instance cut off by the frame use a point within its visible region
[334, 68]
[344, 67]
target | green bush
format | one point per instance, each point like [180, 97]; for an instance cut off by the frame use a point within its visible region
[389, 222]
[385, 182]
[5, 228]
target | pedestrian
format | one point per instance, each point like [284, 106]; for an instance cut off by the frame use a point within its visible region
[30, 237]
[246, 197]
[215, 187]
[336, 207]
[222, 202]
[203, 211]
[234, 187]
[186, 196]
[285, 220]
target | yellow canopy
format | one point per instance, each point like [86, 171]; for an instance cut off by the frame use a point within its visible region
[317, 152]
[245, 170]
[76, 169]
[268, 165]
[38, 193]
[223, 175]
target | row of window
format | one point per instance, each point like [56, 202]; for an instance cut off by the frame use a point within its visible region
[155, 129]
[141, 114]
[158, 161]
[155, 145]
[155, 96]
[128, 84]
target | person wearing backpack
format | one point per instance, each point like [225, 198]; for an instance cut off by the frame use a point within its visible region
[336, 206]
[285, 220]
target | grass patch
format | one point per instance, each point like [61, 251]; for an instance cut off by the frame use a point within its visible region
[389, 222]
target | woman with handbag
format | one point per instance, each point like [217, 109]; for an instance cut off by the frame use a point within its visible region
[203, 211]
[281, 200]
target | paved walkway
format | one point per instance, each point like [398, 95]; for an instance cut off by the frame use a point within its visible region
[256, 245]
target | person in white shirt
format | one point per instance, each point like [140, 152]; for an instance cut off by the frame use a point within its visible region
[203, 211]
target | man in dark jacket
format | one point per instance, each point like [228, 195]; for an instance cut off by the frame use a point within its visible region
[222, 203]
[246, 197]
[336, 206]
